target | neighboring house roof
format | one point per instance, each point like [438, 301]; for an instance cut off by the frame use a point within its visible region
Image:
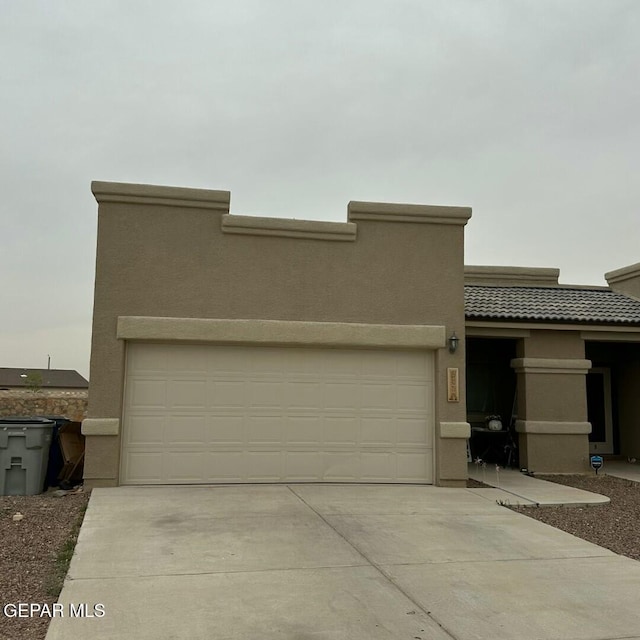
[559, 304]
[55, 378]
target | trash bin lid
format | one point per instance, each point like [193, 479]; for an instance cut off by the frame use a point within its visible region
[25, 422]
[59, 420]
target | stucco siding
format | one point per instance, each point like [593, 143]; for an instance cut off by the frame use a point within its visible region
[160, 257]
[552, 403]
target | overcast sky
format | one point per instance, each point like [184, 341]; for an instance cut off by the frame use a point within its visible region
[527, 111]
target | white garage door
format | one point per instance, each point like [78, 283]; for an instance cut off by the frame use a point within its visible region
[215, 414]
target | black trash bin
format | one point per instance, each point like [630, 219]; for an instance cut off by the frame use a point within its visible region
[56, 461]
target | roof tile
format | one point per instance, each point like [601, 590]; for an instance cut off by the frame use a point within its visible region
[559, 304]
[51, 378]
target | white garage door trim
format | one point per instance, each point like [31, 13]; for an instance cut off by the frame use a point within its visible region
[274, 414]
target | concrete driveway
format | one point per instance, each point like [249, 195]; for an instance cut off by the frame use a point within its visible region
[310, 562]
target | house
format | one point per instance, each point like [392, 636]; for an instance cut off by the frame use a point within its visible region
[28, 392]
[231, 349]
[560, 362]
[45, 380]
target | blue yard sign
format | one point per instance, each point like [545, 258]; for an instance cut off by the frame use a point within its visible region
[596, 463]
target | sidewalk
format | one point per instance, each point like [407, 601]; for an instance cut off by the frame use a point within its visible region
[620, 469]
[516, 488]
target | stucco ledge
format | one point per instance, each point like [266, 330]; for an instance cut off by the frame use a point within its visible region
[100, 427]
[458, 430]
[551, 365]
[280, 332]
[552, 427]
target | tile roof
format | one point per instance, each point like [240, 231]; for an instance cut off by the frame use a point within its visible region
[558, 304]
[51, 378]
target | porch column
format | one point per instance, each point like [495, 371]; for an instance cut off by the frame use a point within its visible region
[552, 403]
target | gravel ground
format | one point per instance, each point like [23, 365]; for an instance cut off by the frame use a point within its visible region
[615, 526]
[28, 551]
[476, 484]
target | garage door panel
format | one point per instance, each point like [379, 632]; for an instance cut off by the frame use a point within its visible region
[266, 414]
[307, 395]
[341, 466]
[413, 466]
[226, 429]
[304, 466]
[377, 364]
[339, 431]
[377, 466]
[145, 430]
[378, 397]
[228, 394]
[415, 365]
[187, 393]
[148, 394]
[264, 429]
[340, 364]
[262, 393]
[184, 466]
[143, 467]
[411, 397]
[378, 432]
[265, 362]
[298, 363]
[151, 361]
[264, 466]
[188, 430]
[410, 432]
[225, 466]
[227, 361]
[303, 430]
[342, 396]
[188, 362]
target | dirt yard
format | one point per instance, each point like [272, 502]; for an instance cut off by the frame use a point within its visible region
[34, 552]
[615, 526]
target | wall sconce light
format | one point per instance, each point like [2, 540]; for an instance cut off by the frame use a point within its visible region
[453, 342]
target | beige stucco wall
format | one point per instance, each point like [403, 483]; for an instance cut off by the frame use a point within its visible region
[557, 453]
[164, 252]
[552, 403]
[511, 276]
[552, 396]
[625, 280]
[547, 343]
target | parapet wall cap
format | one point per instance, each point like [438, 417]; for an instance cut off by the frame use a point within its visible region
[158, 195]
[287, 228]
[625, 273]
[420, 213]
[516, 276]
